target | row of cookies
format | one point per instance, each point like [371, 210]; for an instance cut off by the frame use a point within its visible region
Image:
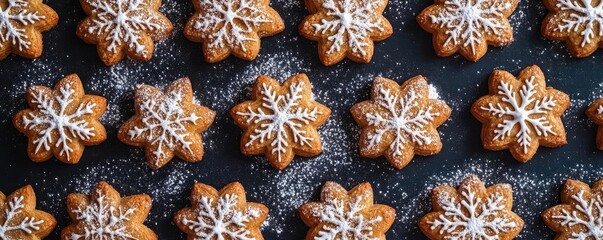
[342, 28]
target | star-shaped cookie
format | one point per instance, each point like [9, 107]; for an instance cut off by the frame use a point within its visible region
[595, 113]
[472, 212]
[521, 113]
[106, 215]
[232, 26]
[20, 219]
[343, 214]
[400, 121]
[468, 26]
[122, 28]
[61, 121]
[345, 28]
[221, 215]
[167, 123]
[281, 120]
[21, 25]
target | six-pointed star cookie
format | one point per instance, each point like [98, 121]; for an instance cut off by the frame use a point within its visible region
[122, 28]
[221, 215]
[19, 218]
[521, 113]
[468, 26]
[61, 121]
[343, 214]
[232, 26]
[281, 120]
[400, 121]
[595, 113]
[345, 28]
[472, 212]
[106, 215]
[167, 123]
[21, 24]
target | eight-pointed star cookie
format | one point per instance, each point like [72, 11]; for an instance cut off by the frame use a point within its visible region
[232, 26]
[281, 120]
[106, 215]
[122, 28]
[345, 28]
[400, 121]
[19, 218]
[472, 212]
[521, 113]
[595, 113]
[61, 121]
[221, 215]
[468, 26]
[343, 214]
[21, 25]
[167, 123]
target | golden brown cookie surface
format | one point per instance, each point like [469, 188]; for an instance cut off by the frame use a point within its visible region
[61, 121]
[472, 212]
[122, 28]
[232, 26]
[167, 123]
[400, 121]
[521, 113]
[281, 120]
[345, 28]
[223, 214]
[595, 113]
[468, 26]
[20, 219]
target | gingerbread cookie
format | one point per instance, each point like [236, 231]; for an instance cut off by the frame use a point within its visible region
[20, 219]
[400, 121]
[106, 215]
[345, 28]
[472, 212]
[468, 26]
[232, 26]
[122, 28]
[221, 215]
[595, 113]
[61, 121]
[281, 120]
[167, 123]
[21, 25]
[579, 215]
[343, 214]
[521, 113]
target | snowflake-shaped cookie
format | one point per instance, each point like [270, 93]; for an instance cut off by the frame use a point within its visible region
[106, 215]
[281, 120]
[521, 113]
[400, 121]
[468, 26]
[472, 212]
[21, 24]
[122, 28]
[232, 26]
[343, 214]
[61, 121]
[345, 28]
[221, 215]
[167, 123]
[19, 218]
[580, 216]
[595, 113]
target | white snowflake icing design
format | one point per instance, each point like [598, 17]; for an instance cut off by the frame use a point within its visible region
[121, 20]
[600, 109]
[285, 116]
[402, 120]
[469, 20]
[164, 121]
[52, 117]
[230, 21]
[583, 15]
[588, 214]
[347, 222]
[223, 221]
[521, 113]
[350, 21]
[27, 225]
[103, 221]
[472, 218]
[13, 18]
